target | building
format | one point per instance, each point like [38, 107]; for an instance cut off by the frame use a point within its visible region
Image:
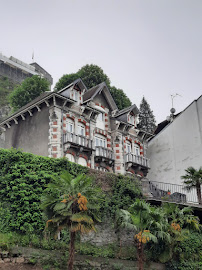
[83, 125]
[177, 146]
[17, 70]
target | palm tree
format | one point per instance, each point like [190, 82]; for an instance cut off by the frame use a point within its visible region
[184, 217]
[193, 179]
[71, 203]
[148, 222]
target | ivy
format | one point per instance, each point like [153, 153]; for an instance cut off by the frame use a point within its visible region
[24, 177]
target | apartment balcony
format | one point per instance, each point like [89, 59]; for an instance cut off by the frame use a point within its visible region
[104, 154]
[136, 160]
[77, 141]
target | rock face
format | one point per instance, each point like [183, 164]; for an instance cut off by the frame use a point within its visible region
[106, 235]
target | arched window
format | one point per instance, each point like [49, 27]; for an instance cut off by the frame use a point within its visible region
[82, 161]
[70, 157]
[128, 147]
[137, 149]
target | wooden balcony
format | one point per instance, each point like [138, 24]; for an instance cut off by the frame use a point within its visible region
[135, 160]
[77, 140]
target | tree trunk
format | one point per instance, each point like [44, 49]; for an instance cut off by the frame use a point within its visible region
[71, 250]
[198, 191]
[140, 256]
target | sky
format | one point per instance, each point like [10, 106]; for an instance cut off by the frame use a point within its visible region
[150, 48]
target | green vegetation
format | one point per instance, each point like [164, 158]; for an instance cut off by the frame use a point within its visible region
[93, 75]
[24, 178]
[29, 89]
[6, 86]
[193, 180]
[147, 120]
[72, 203]
[148, 224]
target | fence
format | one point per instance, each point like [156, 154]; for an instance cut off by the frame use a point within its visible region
[172, 192]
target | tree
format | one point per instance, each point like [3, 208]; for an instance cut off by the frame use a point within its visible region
[192, 180]
[71, 203]
[93, 75]
[27, 91]
[65, 80]
[6, 87]
[146, 117]
[149, 223]
[120, 98]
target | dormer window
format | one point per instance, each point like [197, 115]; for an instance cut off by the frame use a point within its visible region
[100, 121]
[131, 119]
[75, 95]
[100, 117]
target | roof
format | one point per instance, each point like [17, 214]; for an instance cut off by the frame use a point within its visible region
[43, 95]
[127, 110]
[77, 81]
[92, 92]
[31, 104]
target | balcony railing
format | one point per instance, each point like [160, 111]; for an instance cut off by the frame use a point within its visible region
[139, 160]
[77, 139]
[104, 152]
[172, 192]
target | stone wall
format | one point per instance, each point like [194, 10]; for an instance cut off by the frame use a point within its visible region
[106, 234]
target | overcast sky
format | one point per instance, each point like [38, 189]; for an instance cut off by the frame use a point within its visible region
[146, 47]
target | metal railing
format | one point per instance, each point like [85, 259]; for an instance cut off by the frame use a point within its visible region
[104, 152]
[77, 139]
[140, 160]
[172, 192]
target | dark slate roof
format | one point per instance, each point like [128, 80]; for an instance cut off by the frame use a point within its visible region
[71, 84]
[43, 95]
[163, 124]
[33, 102]
[92, 92]
[127, 110]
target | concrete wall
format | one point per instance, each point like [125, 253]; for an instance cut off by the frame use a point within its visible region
[177, 147]
[31, 135]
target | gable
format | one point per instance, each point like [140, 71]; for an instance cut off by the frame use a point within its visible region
[100, 90]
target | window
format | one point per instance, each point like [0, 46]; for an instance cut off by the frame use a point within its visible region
[137, 150]
[100, 121]
[100, 117]
[70, 157]
[81, 129]
[70, 125]
[131, 119]
[128, 147]
[75, 95]
[100, 141]
[82, 161]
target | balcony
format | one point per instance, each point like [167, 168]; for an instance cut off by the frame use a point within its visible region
[160, 191]
[77, 140]
[104, 153]
[135, 160]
